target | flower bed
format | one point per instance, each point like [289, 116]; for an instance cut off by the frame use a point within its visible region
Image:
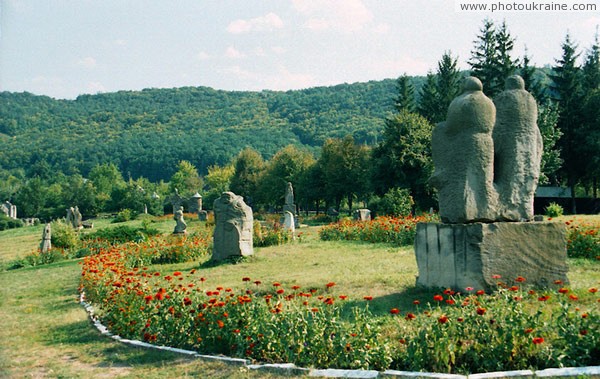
[514, 328]
[398, 231]
[583, 239]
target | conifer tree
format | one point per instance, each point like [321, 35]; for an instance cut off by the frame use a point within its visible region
[567, 91]
[428, 100]
[448, 83]
[406, 95]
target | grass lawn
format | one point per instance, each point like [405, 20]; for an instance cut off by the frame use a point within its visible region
[46, 332]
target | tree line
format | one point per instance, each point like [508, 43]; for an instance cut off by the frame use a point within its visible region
[337, 145]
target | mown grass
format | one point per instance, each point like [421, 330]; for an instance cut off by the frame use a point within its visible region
[46, 332]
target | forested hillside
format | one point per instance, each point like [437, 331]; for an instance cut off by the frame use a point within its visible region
[146, 133]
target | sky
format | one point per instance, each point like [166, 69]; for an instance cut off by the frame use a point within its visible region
[64, 48]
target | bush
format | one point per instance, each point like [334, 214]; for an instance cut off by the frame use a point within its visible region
[397, 202]
[554, 210]
[122, 234]
[583, 241]
[64, 236]
[9, 223]
[124, 215]
[269, 234]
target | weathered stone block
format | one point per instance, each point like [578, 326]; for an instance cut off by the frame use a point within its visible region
[469, 255]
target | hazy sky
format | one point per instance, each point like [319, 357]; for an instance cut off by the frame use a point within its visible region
[63, 48]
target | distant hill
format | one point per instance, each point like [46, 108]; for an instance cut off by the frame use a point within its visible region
[146, 133]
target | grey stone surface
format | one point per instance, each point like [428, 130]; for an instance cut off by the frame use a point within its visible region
[233, 227]
[289, 205]
[77, 218]
[9, 209]
[202, 215]
[195, 203]
[463, 154]
[592, 372]
[362, 214]
[469, 255]
[337, 373]
[286, 369]
[180, 226]
[46, 243]
[518, 149]
[520, 374]
[289, 222]
[419, 375]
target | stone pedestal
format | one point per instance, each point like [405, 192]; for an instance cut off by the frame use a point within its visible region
[469, 255]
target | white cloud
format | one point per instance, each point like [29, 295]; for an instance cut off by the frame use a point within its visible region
[203, 55]
[278, 50]
[87, 62]
[340, 15]
[382, 28]
[234, 53]
[266, 23]
[392, 68]
[95, 87]
[120, 42]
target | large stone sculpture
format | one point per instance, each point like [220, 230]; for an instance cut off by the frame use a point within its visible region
[233, 227]
[487, 165]
[518, 151]
[77, 218]
[463, 152]
[289, 205]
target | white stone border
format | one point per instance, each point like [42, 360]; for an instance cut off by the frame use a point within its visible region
[592, 372]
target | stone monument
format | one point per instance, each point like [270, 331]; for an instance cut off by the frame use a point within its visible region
[289, 223]
[195, 203]
[518, 149]
[77, 218]
[362, 215]
[181, 226]
[486, 169]
[9, 209]
[463, 156]
[69, 219]
[46, 243]
[289, 205]
[233, 227]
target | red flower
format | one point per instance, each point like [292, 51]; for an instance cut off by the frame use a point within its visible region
[410, 316]
[296, 287]
[538, 340]
[343, 297]
[394, 311]
[528, 330]
[276, 284]
[583, 332]
[593, 290]
[368, 298]
[416, 302]
[148, 298]
[314, 310]
[177, 273]
[573, 297]
[443, 319]
[481, 311]
[245, 279]
[280, 291]
[449, 301]
[558, 282]
[438, 297]
[544, 298]
[257, 282]
[330, 284]
[220, 324]
[496, 276]
[563, 290]
[187, 301]
[480, 293]
[520, 279]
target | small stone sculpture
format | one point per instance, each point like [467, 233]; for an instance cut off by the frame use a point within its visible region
[77, 218]
[289, 205]
[462, 151]
[46, 244]
[181, 226]
[233, 227]
[518, 151]
[289, 223]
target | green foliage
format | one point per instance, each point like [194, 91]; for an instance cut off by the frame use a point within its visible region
[397, 202]
[63, 235]
[124, 215]
[9, 223]
[270, 234]
[583, 241]
[121, 234]
[554, 210]
[397, 231]
[403, 158]
[248, 165]
[406, 95]
[186, 180]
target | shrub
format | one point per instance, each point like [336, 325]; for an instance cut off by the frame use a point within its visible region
[63, 235]
[9, 223]
[554, 210]
[269, 234]
[123, 233]
[583, 241]
[124, 215]
[397, 202]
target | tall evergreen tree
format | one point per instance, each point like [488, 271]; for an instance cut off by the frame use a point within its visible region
[567, 91]
[428, 106]
[406, 95]
[448, 83]
[591, 67]
[528, 73]
[491, 61]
